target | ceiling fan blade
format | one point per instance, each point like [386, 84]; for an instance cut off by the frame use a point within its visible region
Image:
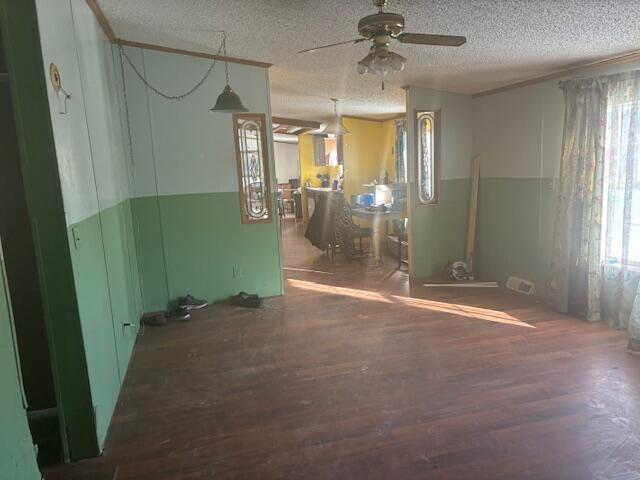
[357, 40]
[428, 39]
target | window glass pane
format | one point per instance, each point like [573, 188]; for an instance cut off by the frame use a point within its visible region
[621, 195]
[401, 152]
[253, 168]
[331, 152]
[426, 157]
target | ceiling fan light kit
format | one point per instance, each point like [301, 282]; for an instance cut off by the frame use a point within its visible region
[381, 61]
[382, 28]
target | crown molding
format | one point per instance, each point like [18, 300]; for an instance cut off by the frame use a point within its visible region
[108, 31]
[291, 122]
[378, 120]
[191, 53]
[102, 20]
[577, 69]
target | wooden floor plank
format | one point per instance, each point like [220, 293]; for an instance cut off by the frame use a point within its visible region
[357, 373]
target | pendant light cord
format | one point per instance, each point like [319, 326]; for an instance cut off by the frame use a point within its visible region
[166, 96]
[224, 52]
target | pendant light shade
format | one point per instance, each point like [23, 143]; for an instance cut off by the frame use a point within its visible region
[335, 127]
[229, 102]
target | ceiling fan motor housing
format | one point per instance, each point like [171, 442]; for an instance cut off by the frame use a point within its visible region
[380, 24]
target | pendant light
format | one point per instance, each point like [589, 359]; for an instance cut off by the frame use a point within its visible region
[335, 128]
[228, 101]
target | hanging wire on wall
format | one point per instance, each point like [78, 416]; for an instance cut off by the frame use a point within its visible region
[125, 56]
[166, 96]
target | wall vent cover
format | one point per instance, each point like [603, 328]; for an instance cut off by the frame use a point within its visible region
[520, 285]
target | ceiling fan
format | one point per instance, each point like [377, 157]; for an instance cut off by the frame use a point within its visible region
[381, 28]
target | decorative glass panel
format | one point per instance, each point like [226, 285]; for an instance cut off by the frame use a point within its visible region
[401, 152]
[426, 153]
[253, 168]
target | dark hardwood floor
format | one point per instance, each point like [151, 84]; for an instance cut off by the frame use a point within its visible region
[356, 374]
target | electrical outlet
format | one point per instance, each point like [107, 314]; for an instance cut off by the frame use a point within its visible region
[237, 271]
[127, 327]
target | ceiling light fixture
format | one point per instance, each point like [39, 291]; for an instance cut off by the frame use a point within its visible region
[335, 128]
[381, 28]
[381, 61]
[228, 101]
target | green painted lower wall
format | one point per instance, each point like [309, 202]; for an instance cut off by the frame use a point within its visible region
[108, 291]
[439, 232]
[149, 245]
[515, 229]
[17, 453]
[124, 280]
[203, 239]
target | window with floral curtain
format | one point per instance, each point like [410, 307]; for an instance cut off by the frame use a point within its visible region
[596, 256]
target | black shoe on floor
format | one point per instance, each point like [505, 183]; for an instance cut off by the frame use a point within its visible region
[180, 314]
[249, 300]
[191, 303]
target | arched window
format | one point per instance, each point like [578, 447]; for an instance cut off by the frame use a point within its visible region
[427, 153]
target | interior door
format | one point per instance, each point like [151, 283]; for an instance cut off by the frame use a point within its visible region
[17, 453]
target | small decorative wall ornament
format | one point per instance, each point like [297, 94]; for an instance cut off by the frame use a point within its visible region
[56, 82]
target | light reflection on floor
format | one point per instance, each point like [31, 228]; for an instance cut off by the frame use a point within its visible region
[307, 270]
[477, 313]
[347, 292]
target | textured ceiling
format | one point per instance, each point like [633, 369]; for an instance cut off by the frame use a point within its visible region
[507, 41]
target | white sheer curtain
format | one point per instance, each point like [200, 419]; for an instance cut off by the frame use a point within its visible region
[596, 258]
[621, 203]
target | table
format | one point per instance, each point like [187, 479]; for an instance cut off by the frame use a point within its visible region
[378, 219]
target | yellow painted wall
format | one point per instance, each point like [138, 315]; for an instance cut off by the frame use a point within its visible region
[388, 137]
[308, 169]
[368, 152]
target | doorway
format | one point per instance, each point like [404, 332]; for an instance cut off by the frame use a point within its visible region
[24, 287]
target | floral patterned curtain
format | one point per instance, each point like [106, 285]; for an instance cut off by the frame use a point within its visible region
[596, 262]
[576, 268]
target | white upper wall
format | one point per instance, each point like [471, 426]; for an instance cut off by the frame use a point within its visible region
[100, 84]
[287, 156]
[69, 130]
[88, 137]
[193, 148]
[456, 129]
[518, 133]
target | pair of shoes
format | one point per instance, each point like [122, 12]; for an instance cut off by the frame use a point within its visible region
[243, 299]
[179, 313]
[191, 303]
